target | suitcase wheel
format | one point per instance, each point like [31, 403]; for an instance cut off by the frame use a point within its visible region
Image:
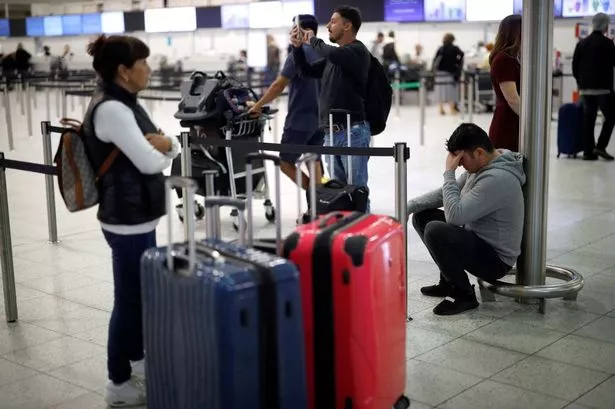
[402, 403]
[269, 212]
[235, 217]
[199, 211]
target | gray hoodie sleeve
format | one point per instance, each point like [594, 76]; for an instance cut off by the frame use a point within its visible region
[472, 206]
[433, 199]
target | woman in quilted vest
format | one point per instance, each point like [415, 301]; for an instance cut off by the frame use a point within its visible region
[131, 195]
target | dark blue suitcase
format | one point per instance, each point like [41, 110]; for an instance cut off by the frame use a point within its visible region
[570, 137]
[228, 335]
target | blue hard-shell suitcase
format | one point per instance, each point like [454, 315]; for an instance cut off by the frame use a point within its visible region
[570, 130]
[226, 333]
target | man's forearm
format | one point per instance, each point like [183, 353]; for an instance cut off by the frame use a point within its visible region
[274, 91]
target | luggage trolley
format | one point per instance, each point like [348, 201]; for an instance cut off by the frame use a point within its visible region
[215, 107]
[243, 126]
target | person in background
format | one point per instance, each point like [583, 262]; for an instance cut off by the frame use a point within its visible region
[481, 226]
[447, 65]
[132, 197]
[377, 46]
[273, 60]
[593, 62]
[344, 70]
[389, 52]
[506, 79]
[485, 64]
[301, 126]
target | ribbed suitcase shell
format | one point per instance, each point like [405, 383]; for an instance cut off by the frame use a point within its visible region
[201, 335]
[353, 278]
[228, 337]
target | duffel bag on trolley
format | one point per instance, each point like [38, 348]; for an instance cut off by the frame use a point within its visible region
[222, 322]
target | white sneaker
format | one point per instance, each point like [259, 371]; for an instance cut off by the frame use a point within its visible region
[138, 370]
[126, 395]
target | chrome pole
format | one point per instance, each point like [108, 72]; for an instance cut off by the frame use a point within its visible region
[462, 95]
[48, 104]
[422, 103]
[6, 252]
[64, 113]
[401, 199]
[7, 115]
[186, 164]
[49, 189]
[535, 121]
[29, 109]
[397, 93]
[471, 86]
[21, 94]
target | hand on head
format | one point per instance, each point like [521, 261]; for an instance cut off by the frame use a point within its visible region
[299, 36]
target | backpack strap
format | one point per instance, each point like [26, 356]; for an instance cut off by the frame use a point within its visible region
[78, 127]
[107, 163]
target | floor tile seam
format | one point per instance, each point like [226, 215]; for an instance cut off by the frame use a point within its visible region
[481, 380]
[27, 378]
[50, 372]
[468, 373]
[560, 333]
[55, 294]
[492, 378]
[568, 401]
[37, 344]
[80, 303]
[596, 318]
[569, 363]
[593, 389]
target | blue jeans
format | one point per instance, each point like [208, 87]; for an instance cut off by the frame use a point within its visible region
[360, 136]
[126, 327]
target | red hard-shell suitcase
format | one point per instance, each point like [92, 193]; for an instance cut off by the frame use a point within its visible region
[353, 280]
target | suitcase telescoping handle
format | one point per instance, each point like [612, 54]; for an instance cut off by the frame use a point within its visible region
[311, 159]
[190, 187]
[212, 209]
[348, 142]
[249, 193]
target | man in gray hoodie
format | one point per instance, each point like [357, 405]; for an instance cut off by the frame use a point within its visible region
[481, 226]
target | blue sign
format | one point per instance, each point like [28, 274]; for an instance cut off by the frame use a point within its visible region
[71, 25]
[53, 26]
[403, 10]
[5, 29]
[91, 23]
[35, 26]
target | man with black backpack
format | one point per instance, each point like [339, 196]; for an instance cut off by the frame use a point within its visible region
[353, 81]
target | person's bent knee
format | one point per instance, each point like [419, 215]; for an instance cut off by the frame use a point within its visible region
[437, 231]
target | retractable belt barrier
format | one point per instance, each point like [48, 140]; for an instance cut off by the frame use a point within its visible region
[400, 152]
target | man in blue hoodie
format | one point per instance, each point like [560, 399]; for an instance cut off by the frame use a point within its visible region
[301, 126]
[481, 226]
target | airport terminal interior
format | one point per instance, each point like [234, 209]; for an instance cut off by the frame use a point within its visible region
[503, 355]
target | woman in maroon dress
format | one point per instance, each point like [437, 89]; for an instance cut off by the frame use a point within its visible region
[506, 78]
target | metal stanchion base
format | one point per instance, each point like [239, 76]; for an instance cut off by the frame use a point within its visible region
[573, 283]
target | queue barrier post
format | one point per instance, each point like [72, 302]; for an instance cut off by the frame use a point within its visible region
[6, 251]
[52, 223]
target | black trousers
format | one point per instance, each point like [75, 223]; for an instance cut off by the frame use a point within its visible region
[457, 250]
[591, 104]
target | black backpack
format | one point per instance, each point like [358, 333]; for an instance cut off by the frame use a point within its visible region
[378, 98]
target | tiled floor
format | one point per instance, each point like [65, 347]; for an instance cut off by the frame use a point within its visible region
[502, 356]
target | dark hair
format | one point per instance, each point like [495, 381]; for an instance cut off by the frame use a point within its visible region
[391, 34]
[111, 52]
[351, 14]
[508, 39]
[468, 137]
[449, 38]
[308, 22]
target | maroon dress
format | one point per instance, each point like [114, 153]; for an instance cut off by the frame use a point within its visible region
[504, 129]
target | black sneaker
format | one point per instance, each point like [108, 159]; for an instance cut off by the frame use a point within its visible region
[603, 154]
[457, 303]
[589, 157]
[439, 290]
